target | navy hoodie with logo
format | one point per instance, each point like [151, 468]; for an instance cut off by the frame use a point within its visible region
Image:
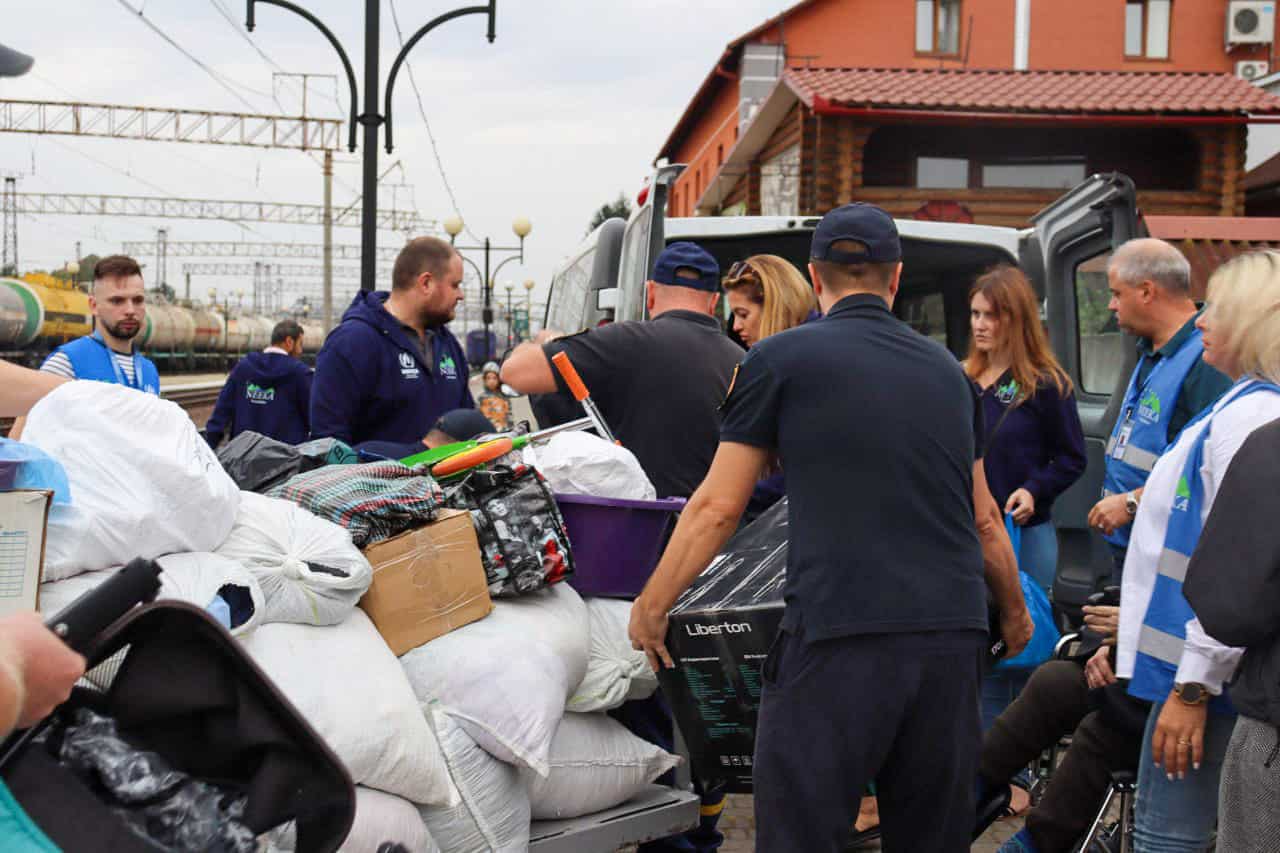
[372, 384]
[267, 392]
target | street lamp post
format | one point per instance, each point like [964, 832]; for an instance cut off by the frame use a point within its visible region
[371, 118]
[521, 227]
[511, 317]
[529, 285]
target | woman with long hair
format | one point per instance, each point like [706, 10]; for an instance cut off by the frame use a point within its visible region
[1034, 445]
[767, 295]
[1033, 448]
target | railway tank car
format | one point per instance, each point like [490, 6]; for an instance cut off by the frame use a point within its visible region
[39, 312]
[43, 311]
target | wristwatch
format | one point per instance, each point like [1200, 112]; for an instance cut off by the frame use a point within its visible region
[1192, 693]
[1131, 503]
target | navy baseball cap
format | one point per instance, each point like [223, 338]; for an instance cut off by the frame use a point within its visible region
[464, 424]
[865, 223]
[691, 257]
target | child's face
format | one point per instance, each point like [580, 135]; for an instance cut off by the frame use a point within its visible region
[491, 381]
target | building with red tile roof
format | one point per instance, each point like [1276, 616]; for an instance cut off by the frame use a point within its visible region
[973, 110]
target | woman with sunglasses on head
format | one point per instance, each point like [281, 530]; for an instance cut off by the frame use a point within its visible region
[767, 295]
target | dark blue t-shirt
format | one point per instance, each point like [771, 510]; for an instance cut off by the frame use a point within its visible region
[877, 429]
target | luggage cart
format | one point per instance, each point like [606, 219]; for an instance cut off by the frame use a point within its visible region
[656, 813]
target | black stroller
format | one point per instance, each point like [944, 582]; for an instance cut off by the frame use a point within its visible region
[183, 696]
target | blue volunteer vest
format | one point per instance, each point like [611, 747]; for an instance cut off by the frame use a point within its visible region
[91, 359]
[1164, 626]
[1141, 433]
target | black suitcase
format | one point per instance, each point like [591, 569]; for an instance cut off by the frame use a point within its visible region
[178, 684]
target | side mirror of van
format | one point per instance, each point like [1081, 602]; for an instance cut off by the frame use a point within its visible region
[607, 299]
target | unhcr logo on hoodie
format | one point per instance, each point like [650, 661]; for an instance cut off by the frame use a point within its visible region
[408, 367]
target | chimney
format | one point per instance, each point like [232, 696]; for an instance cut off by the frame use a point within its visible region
[761, 67]
[1021, 34]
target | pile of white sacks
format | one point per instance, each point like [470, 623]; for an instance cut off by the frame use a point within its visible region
[457, 745]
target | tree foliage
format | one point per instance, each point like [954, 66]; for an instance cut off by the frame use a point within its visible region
[619, 208]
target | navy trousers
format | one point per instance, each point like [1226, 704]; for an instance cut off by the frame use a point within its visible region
[900, 709]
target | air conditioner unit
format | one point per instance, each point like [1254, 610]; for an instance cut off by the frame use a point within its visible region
[1252, 70]
[1251, 21]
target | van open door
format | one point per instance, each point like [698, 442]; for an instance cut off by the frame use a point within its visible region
[1066, 252]
[641, 245]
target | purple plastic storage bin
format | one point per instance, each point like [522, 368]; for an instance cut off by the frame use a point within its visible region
[616, 543]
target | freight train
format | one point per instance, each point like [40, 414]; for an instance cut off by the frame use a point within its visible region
[38, 312]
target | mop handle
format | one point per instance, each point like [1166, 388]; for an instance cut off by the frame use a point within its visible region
[579, 390]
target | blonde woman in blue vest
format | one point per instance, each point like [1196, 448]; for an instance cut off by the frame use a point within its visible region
[1167, 657]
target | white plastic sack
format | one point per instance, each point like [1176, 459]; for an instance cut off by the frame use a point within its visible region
[309, 570]
[580, 463]
[193, 578]
[143, 481]
[493, 814]
[347, 684]
[507, 677]
[198, 578]
[596, 764]
[380, 819]
[616, 673]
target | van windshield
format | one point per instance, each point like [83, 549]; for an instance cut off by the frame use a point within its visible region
[936, 276]
[634, 272]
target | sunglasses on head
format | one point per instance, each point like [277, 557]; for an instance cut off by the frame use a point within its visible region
[740, 269]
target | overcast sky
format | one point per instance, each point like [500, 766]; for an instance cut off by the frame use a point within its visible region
[567, 108]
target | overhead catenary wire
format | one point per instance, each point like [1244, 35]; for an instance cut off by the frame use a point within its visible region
[221, 79]
[150, 185]
[435, 150]
[266, 57]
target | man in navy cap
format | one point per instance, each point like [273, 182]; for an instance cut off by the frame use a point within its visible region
[876, 671]
[658, 383]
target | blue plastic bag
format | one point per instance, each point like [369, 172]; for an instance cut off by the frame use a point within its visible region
[1046, 636]
[25, 466]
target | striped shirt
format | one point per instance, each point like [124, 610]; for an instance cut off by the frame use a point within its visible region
[59, 364]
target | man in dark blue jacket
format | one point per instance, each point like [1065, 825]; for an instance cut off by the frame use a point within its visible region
[392, 367]
[268, 392]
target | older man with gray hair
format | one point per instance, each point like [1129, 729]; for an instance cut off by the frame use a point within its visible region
[1150, 284]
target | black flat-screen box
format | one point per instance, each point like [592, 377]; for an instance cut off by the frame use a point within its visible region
[720, 632]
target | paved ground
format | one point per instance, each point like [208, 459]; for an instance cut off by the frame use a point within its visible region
[739, 826]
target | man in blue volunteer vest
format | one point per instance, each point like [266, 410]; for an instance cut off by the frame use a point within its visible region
[119, 305]
[392, 367]
[1151, 296]
[268, 392]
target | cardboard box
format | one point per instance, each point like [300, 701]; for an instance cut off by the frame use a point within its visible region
[24, 517]
[719, 634]
[426, 582]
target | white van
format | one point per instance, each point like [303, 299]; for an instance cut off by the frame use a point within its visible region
[1065, 254]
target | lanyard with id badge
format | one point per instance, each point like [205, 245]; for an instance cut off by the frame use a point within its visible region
[1130, 408]
[121, 379]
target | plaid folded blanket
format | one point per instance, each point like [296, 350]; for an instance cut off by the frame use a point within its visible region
[373, 501]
